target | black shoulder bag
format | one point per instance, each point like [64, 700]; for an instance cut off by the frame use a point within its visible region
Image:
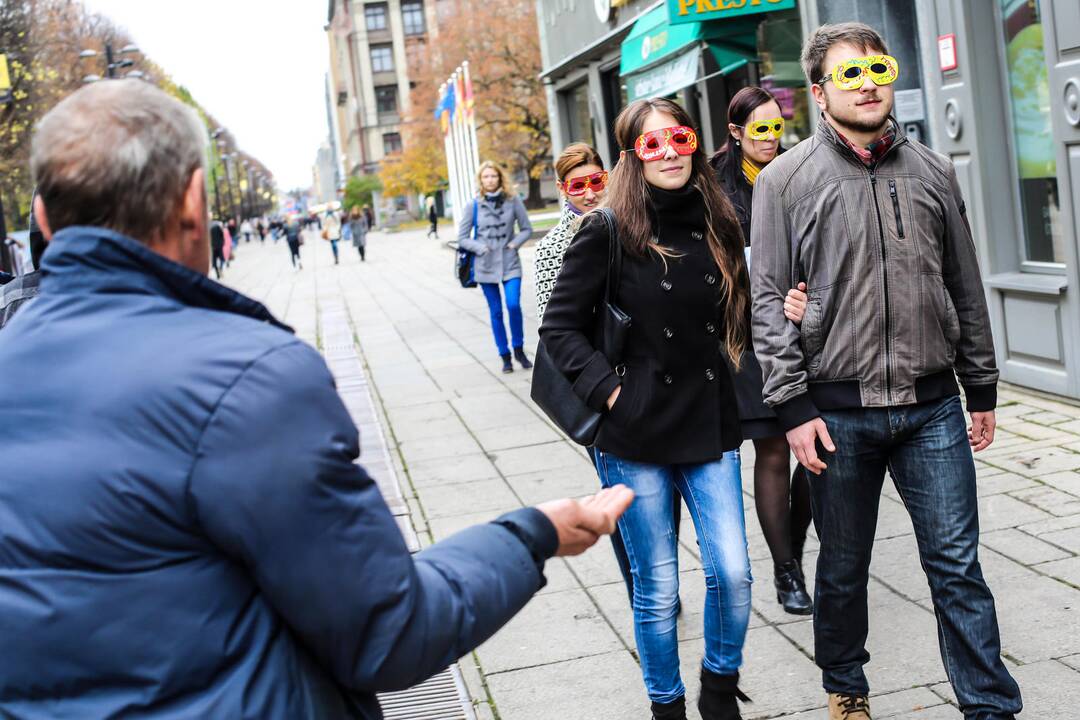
[552, 390]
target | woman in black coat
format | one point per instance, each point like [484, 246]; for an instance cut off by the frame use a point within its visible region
[671, 420]
[755, 126]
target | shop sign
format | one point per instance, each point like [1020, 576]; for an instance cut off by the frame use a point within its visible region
[664, 79]
[685, 11]
[946, 48]
[5, 80]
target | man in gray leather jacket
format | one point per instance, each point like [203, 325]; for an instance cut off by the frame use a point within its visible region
[875, 225]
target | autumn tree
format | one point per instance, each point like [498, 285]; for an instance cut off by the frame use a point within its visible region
[510, 102]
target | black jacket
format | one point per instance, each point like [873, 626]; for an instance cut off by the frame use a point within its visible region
[217, 237]
[677, 404]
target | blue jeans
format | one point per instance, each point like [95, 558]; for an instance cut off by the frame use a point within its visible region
[713, 493]
[513, 307]
[925, 449]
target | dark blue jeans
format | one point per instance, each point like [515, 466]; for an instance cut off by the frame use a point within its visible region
[926, 451]
[513, 308]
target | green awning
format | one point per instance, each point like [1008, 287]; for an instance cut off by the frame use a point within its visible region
[653, 39]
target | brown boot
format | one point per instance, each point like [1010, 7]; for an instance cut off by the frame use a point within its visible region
[848, 707]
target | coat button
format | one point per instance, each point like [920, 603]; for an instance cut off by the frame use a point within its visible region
[696, 235]
[710, 328]
[669, 333]
[710, 375]
[710, 279]
[666, 285]
[668, 379]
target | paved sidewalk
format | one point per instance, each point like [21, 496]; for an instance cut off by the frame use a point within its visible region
[467, 444]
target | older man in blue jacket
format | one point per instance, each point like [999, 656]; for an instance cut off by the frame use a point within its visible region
[183, 531]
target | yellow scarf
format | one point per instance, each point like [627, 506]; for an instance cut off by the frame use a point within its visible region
[750, 170]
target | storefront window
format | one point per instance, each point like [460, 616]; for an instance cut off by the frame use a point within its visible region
[779, 44]
[577, 111]
[1033, 139]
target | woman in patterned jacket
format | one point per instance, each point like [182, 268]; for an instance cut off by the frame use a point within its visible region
[581, 179]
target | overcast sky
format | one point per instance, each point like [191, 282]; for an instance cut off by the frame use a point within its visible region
[258, 66]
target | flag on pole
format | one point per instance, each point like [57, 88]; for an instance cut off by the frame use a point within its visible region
[469, 101]
[444, 111]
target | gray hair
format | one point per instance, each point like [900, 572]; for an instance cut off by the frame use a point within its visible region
[821, 40]
[117, 154]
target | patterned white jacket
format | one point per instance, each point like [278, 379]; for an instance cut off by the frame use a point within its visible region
[549, 256]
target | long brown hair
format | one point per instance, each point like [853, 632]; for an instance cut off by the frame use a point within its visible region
[628, 196]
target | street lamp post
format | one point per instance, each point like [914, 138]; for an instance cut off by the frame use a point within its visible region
[213, 176]
[111, 63]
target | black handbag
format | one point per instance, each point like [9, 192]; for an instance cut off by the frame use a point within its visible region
[551, 389]
[465, 262]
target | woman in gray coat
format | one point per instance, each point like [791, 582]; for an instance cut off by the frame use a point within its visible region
[358, 228]
[487, 229]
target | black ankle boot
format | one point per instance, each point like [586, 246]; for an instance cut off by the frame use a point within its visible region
[508, 367]
[523, 360]
[791, 589]
[719, 696]
[670, 711]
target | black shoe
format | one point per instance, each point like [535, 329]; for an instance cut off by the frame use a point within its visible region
[791, 589]
[675, 710]
[508, 367]
[523, 360]
[719, 696]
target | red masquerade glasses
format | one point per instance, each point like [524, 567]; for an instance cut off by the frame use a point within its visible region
[653, 145]
[576, 186]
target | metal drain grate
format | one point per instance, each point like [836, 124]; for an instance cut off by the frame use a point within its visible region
[438, 698]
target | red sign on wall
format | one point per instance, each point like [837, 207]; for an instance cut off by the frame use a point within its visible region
[946, 47]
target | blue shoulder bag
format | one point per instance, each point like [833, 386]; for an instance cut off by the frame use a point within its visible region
[465, 266]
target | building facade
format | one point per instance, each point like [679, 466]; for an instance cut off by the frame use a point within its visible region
[374, 46]
[993, 84]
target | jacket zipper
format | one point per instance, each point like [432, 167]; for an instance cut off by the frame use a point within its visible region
[885, 279]
[896, 209]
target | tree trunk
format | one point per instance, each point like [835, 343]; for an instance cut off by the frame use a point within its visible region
[534, 201]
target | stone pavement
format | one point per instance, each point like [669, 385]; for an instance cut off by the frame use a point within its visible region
[467, 444]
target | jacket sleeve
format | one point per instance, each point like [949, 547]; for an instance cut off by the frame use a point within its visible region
[464, 236]
[975, 363]
[275, 488]
[570, 318]
[776, 339]
[521, 215]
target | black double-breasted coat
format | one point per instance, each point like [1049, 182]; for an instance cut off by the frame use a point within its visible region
[677, 403]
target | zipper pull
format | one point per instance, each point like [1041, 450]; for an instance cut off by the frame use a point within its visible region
[892, 189]
[873, 176]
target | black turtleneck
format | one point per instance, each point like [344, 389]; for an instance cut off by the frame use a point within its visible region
[677, 403]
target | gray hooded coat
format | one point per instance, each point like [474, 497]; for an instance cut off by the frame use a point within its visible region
[496, 244]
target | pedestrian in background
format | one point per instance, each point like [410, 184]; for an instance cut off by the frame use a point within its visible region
[294, 237]
[217, 247]
[488, 229]
[581, 180]
[358, 227]
[755, 126]
[246, 230]
[218, 553]
[897, 311]
[23, 288]
[433, 219]
[332, 231]
[671, 420]
[369, 214]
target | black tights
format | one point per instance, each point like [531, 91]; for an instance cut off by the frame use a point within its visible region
[783, 508]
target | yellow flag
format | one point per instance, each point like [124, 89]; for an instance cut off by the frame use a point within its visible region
[5, 81]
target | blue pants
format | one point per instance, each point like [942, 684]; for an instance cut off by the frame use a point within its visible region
[925, 448]
[513, 307]
[713, 493]
[333, 247]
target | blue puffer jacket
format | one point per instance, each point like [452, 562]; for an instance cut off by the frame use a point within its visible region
[183, 531]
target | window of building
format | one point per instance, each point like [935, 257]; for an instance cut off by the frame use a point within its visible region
[386, 99]
[579, 118]
[1033, 134]
[375, 16]
[391, 143]
[412, 16]
[382, 58]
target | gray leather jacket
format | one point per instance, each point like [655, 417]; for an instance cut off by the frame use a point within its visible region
[496, 244]
[896, 303]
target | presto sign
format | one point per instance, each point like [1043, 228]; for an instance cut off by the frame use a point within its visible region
[684, 11]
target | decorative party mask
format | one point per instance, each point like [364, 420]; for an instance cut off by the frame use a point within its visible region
[576, 186]
[850, 75]
[770, 129]
[653, 145]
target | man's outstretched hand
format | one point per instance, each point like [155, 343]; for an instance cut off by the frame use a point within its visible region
[580, 523]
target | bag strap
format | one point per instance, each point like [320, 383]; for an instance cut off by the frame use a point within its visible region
[614, 272]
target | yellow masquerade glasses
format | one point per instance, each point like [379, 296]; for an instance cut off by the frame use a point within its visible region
[771, 129]
[850, 75]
